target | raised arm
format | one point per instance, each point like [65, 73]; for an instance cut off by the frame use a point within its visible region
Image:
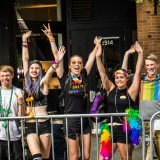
[92, 55]
[47, 31]
[134, 88]
[60, 55]
[56, 66]
[25, 51]
[107, 84]
[126, 57]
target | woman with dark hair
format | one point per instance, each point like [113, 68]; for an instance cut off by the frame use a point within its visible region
[120, 98]
[75, 101]
[36, 89]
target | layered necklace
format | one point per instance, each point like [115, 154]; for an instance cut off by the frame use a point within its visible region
[5, 111]
[115, 101]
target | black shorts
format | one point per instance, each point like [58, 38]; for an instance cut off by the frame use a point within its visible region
[119, 136]
[16, 151]
[74, 127]
[43, 127]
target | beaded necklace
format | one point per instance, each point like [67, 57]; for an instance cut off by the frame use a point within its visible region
[115, 101]
[5, 112]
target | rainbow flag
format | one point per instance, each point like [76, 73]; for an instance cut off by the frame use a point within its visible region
[149, 90]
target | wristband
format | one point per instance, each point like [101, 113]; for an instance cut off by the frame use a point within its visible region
[54, 66]
[51, 39]
[25, 45]
[54, 62]
[21, 103]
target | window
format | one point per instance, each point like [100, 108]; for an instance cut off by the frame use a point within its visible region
[41, 10]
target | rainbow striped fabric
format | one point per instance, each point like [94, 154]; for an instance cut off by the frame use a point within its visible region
[150, 89]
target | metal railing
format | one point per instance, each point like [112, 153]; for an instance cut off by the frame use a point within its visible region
[153, 121]
[66, 117]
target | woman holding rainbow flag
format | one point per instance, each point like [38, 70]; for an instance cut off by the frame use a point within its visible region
[120, 100]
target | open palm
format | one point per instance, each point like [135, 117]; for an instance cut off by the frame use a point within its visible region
[59, 56]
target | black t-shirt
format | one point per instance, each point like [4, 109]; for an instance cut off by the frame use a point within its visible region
[74, 94]
[123, 100]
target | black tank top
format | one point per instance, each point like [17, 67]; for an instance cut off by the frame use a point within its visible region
[40, 100]
[123, 100]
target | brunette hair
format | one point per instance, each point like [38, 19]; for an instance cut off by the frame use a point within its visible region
[33, 88]
[76, 56]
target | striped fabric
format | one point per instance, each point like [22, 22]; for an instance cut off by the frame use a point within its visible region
[150, 90]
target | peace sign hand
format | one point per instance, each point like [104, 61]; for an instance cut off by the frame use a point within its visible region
[47, 30]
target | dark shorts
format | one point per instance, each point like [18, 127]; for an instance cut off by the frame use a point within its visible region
[119, 136]
[43, 127]
[16, 151]
[74, 127]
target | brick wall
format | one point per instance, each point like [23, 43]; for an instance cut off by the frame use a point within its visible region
[148, 29]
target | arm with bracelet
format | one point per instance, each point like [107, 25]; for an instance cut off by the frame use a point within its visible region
[25, 51]
[47, 31]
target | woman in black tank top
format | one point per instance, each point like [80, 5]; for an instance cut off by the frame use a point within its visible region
[120, 98]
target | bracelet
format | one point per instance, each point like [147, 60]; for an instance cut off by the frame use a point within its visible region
[24, 42]
[54, 62]
[21, 103]
[25, 45]
[54, 66]
[51, 39]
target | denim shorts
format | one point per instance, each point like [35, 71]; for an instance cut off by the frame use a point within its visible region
[43, 127]
[74, 127]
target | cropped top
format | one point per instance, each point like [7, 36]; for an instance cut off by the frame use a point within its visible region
[40, 100]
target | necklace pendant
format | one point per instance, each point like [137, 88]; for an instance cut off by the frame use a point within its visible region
[4, 124]
[31, 115]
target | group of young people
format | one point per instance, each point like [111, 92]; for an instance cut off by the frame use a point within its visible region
[36, 89]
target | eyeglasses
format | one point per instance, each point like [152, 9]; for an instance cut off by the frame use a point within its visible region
[76, 63]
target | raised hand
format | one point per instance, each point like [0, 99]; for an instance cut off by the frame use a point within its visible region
[47, 30]
[97, 40]
[20, 98]
[99, 46]
[25, 36]
[60, 54]
[131, 50]
[138, 48]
